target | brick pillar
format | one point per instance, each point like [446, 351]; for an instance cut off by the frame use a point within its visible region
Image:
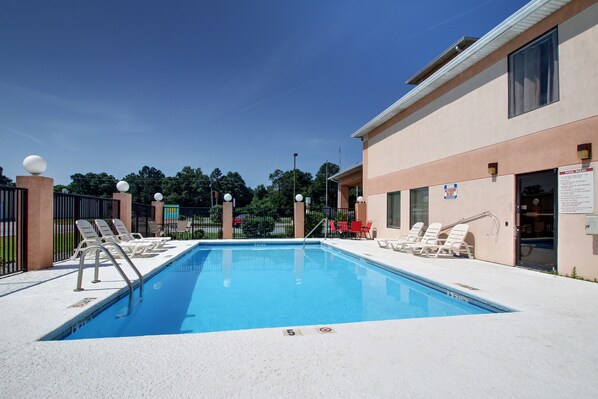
[126, 208]
[227, 220]
[40, 220]
[299, 219]
[361, 212]
[159, 207]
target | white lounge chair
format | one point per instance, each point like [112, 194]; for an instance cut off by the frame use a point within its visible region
[412, 236]
[429, 237]
[125, 235]
[136, 247]
[453, 244]
[91, 238]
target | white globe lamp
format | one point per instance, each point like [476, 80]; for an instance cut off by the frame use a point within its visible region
[228, 197]
[122, 186]
[35, 165]
[360, 199]
[158, 196]
[298, 198]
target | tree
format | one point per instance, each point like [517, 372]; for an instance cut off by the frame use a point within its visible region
[4, 180]
[143, 185]
[190, 187]
[234, 184]
[280, 192]
[94, 184]
[317, 191]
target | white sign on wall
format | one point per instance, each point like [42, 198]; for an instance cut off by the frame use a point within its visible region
[576, 190]
[451, 191]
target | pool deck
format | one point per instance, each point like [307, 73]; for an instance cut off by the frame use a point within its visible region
[547, 349]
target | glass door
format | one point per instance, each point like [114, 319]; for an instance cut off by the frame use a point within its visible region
[537, 220]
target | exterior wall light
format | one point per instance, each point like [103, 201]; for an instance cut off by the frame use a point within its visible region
[298, 198]
[122, 186]
[35, 165]
[158, 196]
[493, 168]
[584, 151]
[228, 197]
[360, 199]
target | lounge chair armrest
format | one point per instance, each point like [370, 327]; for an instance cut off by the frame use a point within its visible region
[136, 235]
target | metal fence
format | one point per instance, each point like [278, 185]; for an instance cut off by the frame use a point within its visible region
[13, 230]
[68, 208]
[315, 215]
[187, 223]
[251, 222]
[141, 214]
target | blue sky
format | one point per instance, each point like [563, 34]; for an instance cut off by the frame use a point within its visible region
[111, 86]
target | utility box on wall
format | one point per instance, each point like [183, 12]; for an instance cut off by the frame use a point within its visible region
[592, 225]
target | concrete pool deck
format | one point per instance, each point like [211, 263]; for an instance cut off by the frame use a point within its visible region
[547, 349]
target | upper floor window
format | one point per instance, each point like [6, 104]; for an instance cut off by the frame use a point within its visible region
[534, 75]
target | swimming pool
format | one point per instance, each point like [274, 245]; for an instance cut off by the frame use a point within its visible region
[232, 287]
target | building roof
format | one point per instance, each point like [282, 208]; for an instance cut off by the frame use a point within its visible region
[526, 17]
[347, 172]
[441, 60]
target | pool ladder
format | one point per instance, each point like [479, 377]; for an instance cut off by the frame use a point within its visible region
[314, 229]
[97, 249]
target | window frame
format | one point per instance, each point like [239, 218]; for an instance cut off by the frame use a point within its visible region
[389, 202]
[555, 96]
[413, 193]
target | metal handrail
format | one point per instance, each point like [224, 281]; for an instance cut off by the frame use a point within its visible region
[476, 217]
[121, 252]
[314, 229]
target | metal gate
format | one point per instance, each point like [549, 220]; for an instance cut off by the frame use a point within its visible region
[13, 230]
[68, 208]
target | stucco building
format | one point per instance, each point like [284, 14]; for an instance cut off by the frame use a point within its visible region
[504, 124]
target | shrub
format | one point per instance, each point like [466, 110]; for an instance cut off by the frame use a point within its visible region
[216, 214]
[311, 220]
[341, 216]
[199, 234]
[257, 227]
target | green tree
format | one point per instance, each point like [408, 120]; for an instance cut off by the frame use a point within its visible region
[280, 192]
[4, 180]
[234, 184]
[144, 184]
[94, 184]
[189, 187]
[317, 191]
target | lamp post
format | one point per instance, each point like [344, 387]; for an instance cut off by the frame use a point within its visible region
[294, 167]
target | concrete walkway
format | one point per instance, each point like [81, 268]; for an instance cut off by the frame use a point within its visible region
[547, 349]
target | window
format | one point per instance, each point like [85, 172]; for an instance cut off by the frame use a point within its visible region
[393, 210]
[418, 205]
[534, 75]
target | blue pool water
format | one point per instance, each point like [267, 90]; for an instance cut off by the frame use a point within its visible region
[233, 287]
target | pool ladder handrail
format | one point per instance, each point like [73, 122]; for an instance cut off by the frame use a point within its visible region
[481, 215]
[121, 252]
[314, 229]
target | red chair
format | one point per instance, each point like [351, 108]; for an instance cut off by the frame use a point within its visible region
[355, 228]
[333, 229]
[365, 230]
[343, 227]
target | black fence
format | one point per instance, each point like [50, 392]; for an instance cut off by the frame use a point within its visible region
[141, 214]
[254, 222]
[187, 223]
[314, 215]
[13, 230]
[68, 208]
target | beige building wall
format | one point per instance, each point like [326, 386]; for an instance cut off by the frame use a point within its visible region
[475, 114]
[452, 134]
[575, 247]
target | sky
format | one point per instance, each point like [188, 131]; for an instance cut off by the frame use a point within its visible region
[112, 86]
